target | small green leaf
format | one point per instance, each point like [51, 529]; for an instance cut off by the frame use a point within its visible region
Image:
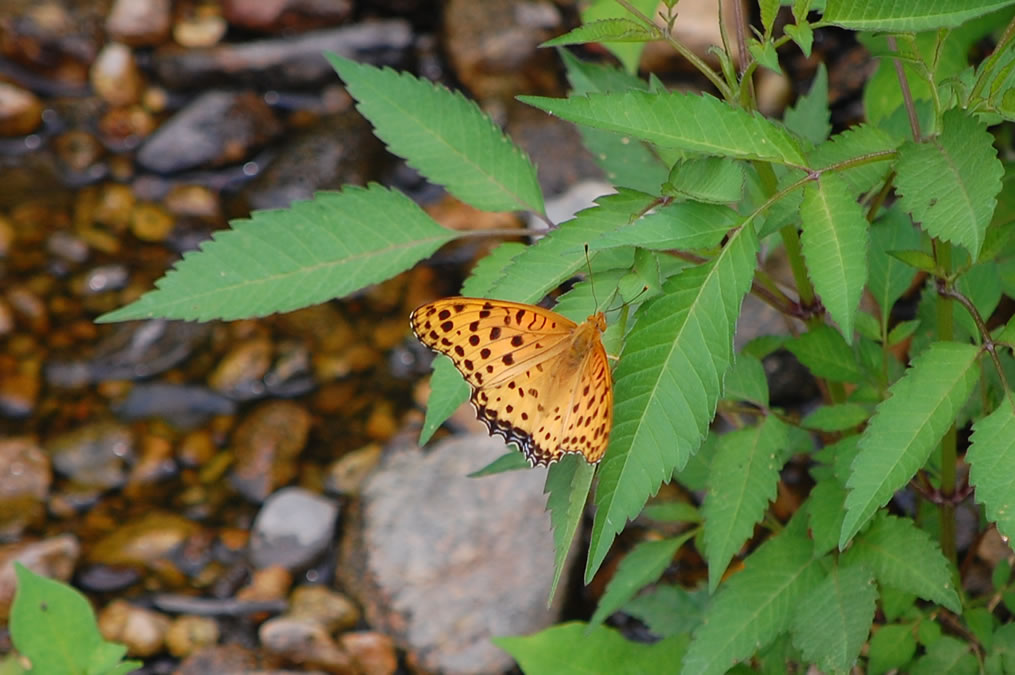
[628, 53]
[567, 483]
[509, 461]
[810, 116]
[950, 183]
[891, 648]
[901, 331]
[714, 180]
[445, 136]
[640, 567]
[672, 512]
[604, 30]
[669, 610]
[746, 381]
[769, 9]
[947, 655]
[825, 352]
[868, 326]
[833, 620]
[577, 648]
[905, 557]
[837, 417]
[906, 427]
[991, 457]
[765, 55]
[916, 259]
[907, 15]
[682, 225]
[803, 35]
[889, 276]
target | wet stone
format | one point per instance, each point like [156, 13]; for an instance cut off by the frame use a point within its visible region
[93, 455]
[232, 658]
[19, 391]
[443, 562]
[115, 76]
[216, 128]
[68, 246]
[102, 279]
[55, 558]
[304, 643]
[143, 541]
[329, 608]
[182, 406]
[292, 529]
[151, 222]
[345, 475]
[20, 111]
[373, 653]
[239, 375]
[139, 22]
[202, 27]
[266, 444]
[25, 477]
[142, 631]
[187, 634]
[286, 15]
[79, 151]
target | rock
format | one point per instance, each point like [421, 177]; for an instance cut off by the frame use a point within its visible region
[204, 26]
[216, 128]
[187, 634]
[232, 658]
[20, 111]
[346, 474]
[329, 608]
[102, 279]
[266, 585]
[443, 562]
[240, 373]
[150, 222]
[115, 76]
[92, 455]
[54, 558]
[373, 653]
[292, 529]
[143, 541]
[292, 62]
[19, 390]
[139, 22]
[25, 477]
[285, 15]
[184, 407]
[142, 631]
[304, 643]
[266, 444]
[79, 151]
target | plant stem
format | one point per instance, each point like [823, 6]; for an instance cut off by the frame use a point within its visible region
[949, 455]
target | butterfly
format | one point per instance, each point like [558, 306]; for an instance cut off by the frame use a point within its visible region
[538, 379]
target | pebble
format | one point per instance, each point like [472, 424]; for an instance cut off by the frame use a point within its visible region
[79, 151]
[19, 390]
[267, 584]
[373, 653]
[68, 246]
[55, 558]
[187, 634]
[183, 406]
[103, 279]
[150, 222]
[292, 529]
[304, 643]
[142, 631]
[331, 609]
[346, 474]
[25, 478]
[115, 75]
[92, 455]
[240, 373]
[203, 28]
[278, 15]
[143, 541]
[231, 658]
[266, 444]
[20, 110]
[139, 22]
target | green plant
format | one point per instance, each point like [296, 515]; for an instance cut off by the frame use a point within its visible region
[702, 184]
[54, 627]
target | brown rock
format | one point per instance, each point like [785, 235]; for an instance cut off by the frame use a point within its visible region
[143, 631]
[20, 111]
[305, 643]
[25, 477]
[54, 558]
[266, 445]
[115, 76]
[346, 474]
[187, 634]
[241, 371]
[318, 603]
[150, 222]
[78, 150]
[202, 27]
[278, 15]
[139, 22]
[144, 540]
[232, 658]
[373, 653]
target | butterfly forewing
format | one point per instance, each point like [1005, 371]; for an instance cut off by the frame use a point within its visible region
[538, 379]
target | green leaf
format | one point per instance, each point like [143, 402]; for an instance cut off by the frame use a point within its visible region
[567, 485]
[691, 122]
[616, 30]
[824, 514]
[918, 260]
[628, 53]
[803, 35]
[765, 55]
[714, 180]
[54, 626]
[947, 655]
[891, 647]
[834, 619]
[906, 427]
[810, 117]
[861, 141]
[444, 136]
[867, 326]
[907, 15]
[835, 244]
[950, 183]
[889, 277]
[281, 260]
[742, 481]
[509, 461]
[574, 647]
[905, 557]
[991, 457]
[755, 605]
[838, 417]
[902, 331]
[681, 225]
[641, 566]
[746, 381]
[769, 9]
[668, 383]
[1003, 652]
[825, 352]
[672, 512]
[669, 610]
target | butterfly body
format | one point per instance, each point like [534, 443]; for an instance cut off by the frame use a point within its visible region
[538, 379]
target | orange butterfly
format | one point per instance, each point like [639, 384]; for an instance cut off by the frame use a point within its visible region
[538, 379]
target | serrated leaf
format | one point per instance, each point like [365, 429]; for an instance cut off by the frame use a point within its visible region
[867, 326]
[641, 566]
[810, 116]
[907, 15]
[668, 383]
[835, 242]
[681, 225]
[568, 483]
[669, 610]
[763, 345]
[604, 30]
[713, 180]
[803, 35]
[742, 481]
[576, 648]
[628, 53]
[838, 417]
[906, 427]
[509, 461]
[755, 605]
[444, 136]
[859, 141]
[281, 260]
[691, 122]
[672, 512]
[890, 277]
[891, 648]
[950, 183]
[833, 620]
[765, 55]
[825, 352]
[746, 381]
[824, 514]
[918, 260]
[991, 457]
[904, 557]
[947, 655]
